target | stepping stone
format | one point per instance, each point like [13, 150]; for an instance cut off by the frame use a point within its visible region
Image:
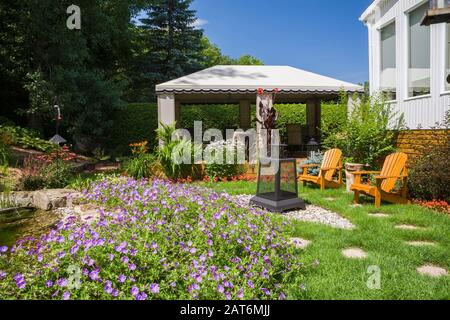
[408, 227]
[299, 243]
[354, 253]
[378, 215]
[432, 271]
[420, 243]
[329, 199]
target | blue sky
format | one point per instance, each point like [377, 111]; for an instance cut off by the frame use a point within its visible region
[322, 36]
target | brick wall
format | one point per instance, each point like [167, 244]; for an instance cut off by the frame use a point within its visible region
[413, 142]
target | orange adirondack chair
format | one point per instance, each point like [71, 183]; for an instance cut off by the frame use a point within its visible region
[394, 168]
[332, 162]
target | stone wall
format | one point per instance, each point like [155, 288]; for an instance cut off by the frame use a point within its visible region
[414, 142]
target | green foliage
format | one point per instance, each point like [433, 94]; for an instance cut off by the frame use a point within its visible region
[32, 183]
[134, 122]
[334, 118]
[84, 182]
[172, 152]
[4, 153]
[314, 158]
[57, 174]
[369, 133]
[140, 166]
[429, 177]
[289, 114]
[222, 160]
[213, 56]
[220, 117]
[174, 41]
[25, 138]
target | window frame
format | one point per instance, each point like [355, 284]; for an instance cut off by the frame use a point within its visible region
[445, 88]
[407, 60]
[380, 57]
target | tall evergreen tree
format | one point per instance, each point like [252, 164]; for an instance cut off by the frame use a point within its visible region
[173, 41]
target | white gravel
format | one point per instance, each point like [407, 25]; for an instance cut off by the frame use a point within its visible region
[311, 214]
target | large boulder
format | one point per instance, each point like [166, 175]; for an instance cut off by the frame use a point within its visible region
[55, 198]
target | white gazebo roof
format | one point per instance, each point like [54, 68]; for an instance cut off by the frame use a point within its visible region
[246, 79]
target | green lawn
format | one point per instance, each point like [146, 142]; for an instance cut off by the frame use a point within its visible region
[331, 276]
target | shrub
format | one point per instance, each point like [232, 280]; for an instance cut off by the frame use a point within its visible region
[134, 122]
[26, 138]
[57, 174]
[4, 154]
[31, 178]
[219, 117]
[224, 167]
[155, 240]
[369, 133]
[430, 173]
[52, 170]
[171, 154]
[140, 166]
[314, 158]
[334, 118]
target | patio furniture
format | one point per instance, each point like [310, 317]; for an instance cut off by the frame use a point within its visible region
[394, 169]
[331, 164]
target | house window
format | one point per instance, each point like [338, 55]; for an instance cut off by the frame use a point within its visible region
[388, 77]
[419, 75]
[447, 59]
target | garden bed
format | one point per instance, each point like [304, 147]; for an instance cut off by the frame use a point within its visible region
[155, 240]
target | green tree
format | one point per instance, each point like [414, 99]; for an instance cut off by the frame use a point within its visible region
[174, 44]
[81, 70]
[212, 56]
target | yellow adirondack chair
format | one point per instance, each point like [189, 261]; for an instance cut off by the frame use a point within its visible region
[332, 162]
[394, 168]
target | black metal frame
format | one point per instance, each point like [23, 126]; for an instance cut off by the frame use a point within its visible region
[278, 201]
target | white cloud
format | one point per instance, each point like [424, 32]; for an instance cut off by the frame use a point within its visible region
[199, 23]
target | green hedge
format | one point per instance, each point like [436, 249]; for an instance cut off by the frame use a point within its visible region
[134, 123]
[138, 121]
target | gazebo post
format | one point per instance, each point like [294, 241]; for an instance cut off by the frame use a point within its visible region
[167, 113]
[168, 109]
[244, 114]
[313, 117]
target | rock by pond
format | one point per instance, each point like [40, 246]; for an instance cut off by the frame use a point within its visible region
[16, 224]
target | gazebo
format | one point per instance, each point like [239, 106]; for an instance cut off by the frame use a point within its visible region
[239, 84]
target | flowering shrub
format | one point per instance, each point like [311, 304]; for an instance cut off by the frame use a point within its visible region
[430, 173]
[222, 161]
[51, 170]
[154, 240]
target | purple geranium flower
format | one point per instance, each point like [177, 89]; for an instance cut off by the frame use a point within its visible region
[94, 274]
[154, 288]
[134, 291]
[141, 296]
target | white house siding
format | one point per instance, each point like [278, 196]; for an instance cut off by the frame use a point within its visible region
[420, 112]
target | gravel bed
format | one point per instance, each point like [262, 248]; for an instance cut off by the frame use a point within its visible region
[311, 214]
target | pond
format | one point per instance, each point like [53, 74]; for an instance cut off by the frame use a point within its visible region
[25, 222]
